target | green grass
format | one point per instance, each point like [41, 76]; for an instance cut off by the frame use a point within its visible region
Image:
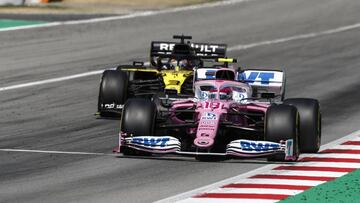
[5, 23]
[341, 190]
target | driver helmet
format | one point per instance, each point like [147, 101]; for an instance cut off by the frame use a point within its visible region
[225, 93]
[212, 93]
[184, 63]
[173, 63]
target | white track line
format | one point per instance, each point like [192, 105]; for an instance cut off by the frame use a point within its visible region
[53, 152]
[278, 181]
[296, 37]
[214, 200]
[53, 80]
[329, 164]
[234, 48]
[347, 147]
[129, 16]
[256, 191]
[334, 155]
[243, 178]
[304, 173]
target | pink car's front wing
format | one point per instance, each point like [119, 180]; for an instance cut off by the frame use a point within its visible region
[236, 148]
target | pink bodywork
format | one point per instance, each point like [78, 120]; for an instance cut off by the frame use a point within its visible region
[210, 112]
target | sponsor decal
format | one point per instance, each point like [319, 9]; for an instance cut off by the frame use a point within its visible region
[238, 96]
[206, 126]
[210, 74]
[208, 116]
[151, 141]
[207, 48]
[254, 76]
[206, 129]
[212, 105]
[166, 46]
[112, 106]
[204, 95]
[258, 146]
[208, 123]
[203, 142]
[205, 73]
[289, 148]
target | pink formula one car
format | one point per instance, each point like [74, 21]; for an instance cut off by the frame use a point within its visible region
[234, 114]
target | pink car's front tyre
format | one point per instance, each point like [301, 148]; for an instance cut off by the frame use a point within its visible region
[310, 123]
[138, 117]
[281, 124]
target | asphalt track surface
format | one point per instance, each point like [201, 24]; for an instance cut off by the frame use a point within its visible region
[59, 116]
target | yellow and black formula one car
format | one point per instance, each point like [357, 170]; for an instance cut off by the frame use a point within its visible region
[171, 71]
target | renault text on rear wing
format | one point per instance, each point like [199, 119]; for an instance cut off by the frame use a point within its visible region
[203, 50]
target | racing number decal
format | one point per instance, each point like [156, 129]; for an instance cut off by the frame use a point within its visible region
[212, 105]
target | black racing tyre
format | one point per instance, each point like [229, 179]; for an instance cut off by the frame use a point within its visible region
[138, 117]
[310, 123]
[281, 123]
[113, 88]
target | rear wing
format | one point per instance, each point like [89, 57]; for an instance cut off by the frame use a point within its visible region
[265, 83]
[210, 73]
[203, 50]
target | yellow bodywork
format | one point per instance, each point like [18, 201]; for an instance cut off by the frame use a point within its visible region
[173, 79]
[226, 60]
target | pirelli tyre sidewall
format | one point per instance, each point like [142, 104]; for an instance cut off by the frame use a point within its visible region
[310, 123]
[113, 88]
[281, 123]
[138, 117]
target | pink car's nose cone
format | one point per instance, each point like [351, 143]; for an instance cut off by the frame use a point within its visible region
[203, 142]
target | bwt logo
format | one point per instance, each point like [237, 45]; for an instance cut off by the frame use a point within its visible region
[209, 116]
[264, 77]
[204, 95]
[150, 142]
[210, 74]
[258, 146]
